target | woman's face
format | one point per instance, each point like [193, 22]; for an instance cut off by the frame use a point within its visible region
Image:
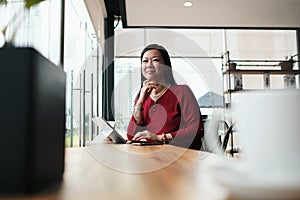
[153, 65]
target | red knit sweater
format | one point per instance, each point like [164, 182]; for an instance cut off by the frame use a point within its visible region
[175, 112]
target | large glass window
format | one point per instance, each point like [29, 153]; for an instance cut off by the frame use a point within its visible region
[40, 28]
[34, 27]
[261, 45]
[83, 56]
[196, 56]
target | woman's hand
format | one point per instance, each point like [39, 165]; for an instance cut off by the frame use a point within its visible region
[145, 92]
[148, 86]
[145, 135]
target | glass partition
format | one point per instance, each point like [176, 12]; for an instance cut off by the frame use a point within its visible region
[83, 56]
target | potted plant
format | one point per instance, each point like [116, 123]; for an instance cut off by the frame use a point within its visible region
[32, 117]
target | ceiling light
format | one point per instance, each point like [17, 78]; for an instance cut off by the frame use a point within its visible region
[188, 4]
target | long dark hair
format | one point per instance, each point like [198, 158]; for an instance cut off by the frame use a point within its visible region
[168, 75]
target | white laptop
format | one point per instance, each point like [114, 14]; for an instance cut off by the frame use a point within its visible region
[106, 130]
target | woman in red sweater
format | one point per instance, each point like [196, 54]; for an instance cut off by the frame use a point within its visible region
[164, 111]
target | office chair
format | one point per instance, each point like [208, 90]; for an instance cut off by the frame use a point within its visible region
[227, 131]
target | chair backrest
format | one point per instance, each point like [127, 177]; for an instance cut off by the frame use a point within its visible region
[217, 135]
[228, 133]
[211, 142]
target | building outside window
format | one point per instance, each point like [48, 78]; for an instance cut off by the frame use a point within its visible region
[196, 56]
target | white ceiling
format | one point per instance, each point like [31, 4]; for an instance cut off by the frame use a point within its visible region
[213, 13]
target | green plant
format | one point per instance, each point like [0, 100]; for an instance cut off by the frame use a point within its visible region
[17, 16]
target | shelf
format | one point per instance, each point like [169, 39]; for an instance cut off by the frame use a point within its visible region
[245, 90]
[262, 71]
[234, 74]
[232, 91]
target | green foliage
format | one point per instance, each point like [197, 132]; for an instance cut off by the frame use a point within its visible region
[30, 3]
[68, 141]
[3, 2]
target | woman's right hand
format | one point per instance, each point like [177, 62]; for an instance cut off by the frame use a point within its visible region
[148, 86]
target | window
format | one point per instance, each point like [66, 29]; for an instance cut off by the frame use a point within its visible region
[35, 28]
[196, 59]
[83, 61]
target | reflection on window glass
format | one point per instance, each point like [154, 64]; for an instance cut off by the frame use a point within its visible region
[35, 28]
[127, 84]
[261, 44]
[200, 67]
[82, 62]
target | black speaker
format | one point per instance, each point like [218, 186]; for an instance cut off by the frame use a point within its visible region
[32, 117]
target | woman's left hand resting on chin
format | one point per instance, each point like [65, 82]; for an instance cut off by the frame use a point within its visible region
[146, 135]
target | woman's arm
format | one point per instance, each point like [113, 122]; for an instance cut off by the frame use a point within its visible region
[138, 112]
[191, 127]
[145, 92]
[136, 123]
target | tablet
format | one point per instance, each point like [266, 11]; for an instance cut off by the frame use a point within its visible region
[117, 137]
[145, 142]
[106, 130]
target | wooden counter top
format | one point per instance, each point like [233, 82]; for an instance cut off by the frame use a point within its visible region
[128, 172]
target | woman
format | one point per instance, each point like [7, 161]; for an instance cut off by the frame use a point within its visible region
[164, 111]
